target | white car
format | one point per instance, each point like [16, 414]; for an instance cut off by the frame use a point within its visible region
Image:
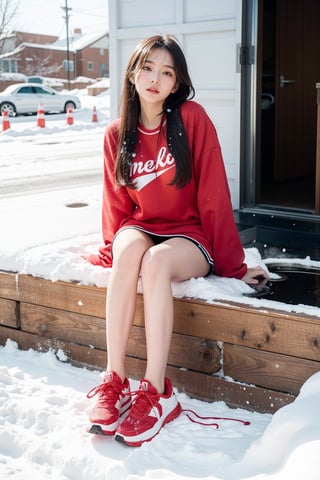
[24, 98]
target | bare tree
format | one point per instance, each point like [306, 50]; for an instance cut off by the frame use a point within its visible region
[8, 9]
[40, 64]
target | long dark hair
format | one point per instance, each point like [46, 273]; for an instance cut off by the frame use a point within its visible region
[130, 112]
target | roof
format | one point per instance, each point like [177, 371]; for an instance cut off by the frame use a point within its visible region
[79, 41]
[76, 42]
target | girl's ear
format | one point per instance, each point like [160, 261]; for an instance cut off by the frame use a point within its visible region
[131, 79]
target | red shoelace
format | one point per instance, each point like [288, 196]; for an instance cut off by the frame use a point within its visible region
[188, 414]
[143, 398]
[109, 392]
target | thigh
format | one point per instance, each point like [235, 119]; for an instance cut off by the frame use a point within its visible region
[182, 258]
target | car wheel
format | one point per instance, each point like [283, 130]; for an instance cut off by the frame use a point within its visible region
[69, 105]
[9, 107]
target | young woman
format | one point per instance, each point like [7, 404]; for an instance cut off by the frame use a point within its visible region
[167, 216]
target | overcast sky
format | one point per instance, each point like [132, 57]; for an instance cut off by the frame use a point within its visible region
[47, 16]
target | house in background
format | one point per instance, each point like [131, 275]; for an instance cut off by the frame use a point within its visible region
[10, 42]
[29, 54]
[89, 54]
[255, 66]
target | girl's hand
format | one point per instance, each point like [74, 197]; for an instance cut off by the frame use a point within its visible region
[256, 276]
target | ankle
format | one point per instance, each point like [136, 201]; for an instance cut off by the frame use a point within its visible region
[157, 385]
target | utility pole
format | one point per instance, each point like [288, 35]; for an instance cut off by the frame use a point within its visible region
[66, 9]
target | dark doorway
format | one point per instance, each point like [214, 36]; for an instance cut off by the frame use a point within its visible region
[288, 69]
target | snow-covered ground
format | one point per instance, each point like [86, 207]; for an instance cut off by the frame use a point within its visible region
[43, 404]
[43, 414]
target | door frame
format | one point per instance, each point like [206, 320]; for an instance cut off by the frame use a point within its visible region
[248, 119]
[250, 124]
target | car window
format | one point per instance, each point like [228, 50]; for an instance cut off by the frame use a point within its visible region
[34, 80]
[25, 89]
[42, 91]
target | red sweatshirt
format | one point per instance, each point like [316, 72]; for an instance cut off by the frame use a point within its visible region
[201, 210]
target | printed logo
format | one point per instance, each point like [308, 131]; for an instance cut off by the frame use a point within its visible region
[144, 173]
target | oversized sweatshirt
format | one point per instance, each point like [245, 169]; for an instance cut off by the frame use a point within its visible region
[201, 210]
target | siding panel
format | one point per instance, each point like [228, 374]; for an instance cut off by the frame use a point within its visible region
[209, 31]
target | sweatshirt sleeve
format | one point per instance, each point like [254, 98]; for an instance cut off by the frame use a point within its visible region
[214, 202]
[116, 203]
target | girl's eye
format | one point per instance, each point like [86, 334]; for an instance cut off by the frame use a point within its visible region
[146, 68]
[168, 74]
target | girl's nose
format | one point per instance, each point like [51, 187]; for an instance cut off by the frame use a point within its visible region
[155, 79]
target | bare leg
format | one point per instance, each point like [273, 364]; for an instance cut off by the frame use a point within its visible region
[176, 259]
[128, 249]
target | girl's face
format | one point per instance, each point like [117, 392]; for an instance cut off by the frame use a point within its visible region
[156, 79]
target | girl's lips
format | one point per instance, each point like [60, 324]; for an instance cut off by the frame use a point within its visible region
[152, 90]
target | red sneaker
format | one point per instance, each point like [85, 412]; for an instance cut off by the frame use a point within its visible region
[150, 411]
[114, 400]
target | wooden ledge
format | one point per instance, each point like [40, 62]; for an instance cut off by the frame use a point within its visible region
[250, 358]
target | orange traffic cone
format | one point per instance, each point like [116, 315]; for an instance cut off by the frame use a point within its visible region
[94, 115]
[41, 122]
[5, 120]
[69, 116]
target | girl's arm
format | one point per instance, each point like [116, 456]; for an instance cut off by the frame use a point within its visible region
[116, 203]
[213, 199]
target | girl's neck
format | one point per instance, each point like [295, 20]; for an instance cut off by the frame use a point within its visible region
[150, 119]
[150, 124]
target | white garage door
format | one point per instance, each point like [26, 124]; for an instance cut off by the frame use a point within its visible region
[209, 31]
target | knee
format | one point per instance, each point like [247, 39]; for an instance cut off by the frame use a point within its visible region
[128, 255]
[154, 265]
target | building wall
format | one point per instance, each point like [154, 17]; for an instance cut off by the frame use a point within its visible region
[43, 62]
[15, 39]
[34, 54]
[209, 31]
[49, 62]
[93, 62]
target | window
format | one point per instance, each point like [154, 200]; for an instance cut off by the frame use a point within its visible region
[103, 70]
[25, 90]
[35, 79]
[65, 66]
[8, 66]
[42, 91]
[90, 65]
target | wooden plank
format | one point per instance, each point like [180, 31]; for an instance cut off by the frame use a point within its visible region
[243, 326]
[9, 313]
[72, 297]
[265, 369]
[92, 358]
[238, 325]
[197, 385]
[9, 285]
[23, 339]
[13, 334]
[194, 353]
[187, 352]
[211, 388]
[215, 389]
[67, 326]
[246, 327]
